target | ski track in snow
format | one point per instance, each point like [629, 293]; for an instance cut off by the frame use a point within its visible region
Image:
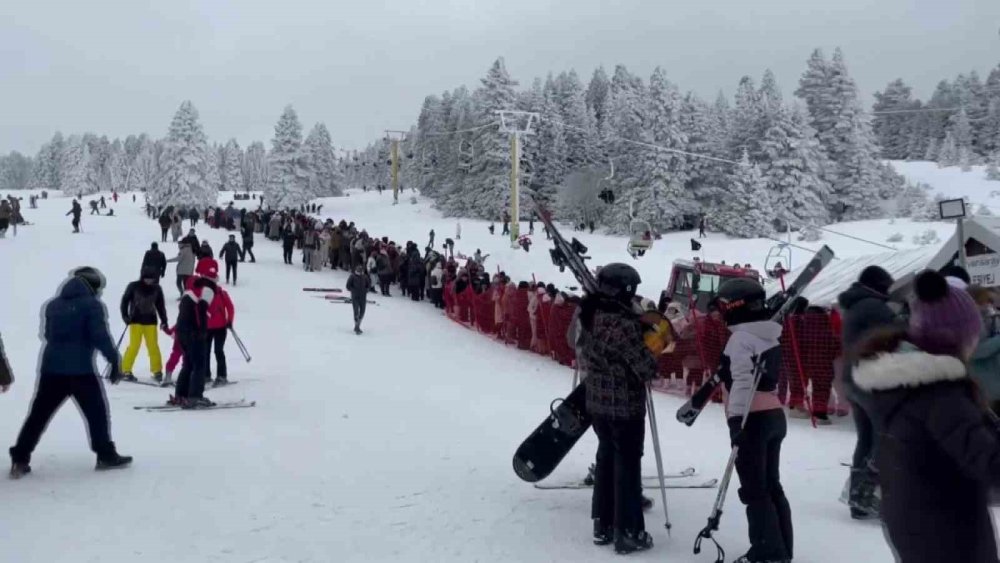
[392, 446]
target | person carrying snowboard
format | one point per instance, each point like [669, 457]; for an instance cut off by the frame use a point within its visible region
[359, 285]
[221, 314]
[154, 258]
[750, 367]
[141, 304]
[76, 211]
[619, 366]
[74, 327]
[232, 254]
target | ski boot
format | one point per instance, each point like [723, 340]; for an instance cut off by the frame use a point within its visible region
[603, 534]
[127, 376]
[629, 541]
[863, 497]
[158, 377]
[220, 382]
[197, 403]
[168, 380]
[113, 462]
[19, 469]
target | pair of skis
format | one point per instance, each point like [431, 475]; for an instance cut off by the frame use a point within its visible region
[241, 404]
[648, 482]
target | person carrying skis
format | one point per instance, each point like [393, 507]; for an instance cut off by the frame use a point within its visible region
[221, 314]
[231, 254]
[76, 211]
[75, 326]
[246, 231]
[154, 258]
[938, 444]
[185, 265]
[750, 367]
[619, 367]
[191, 331]
[358, 284]
[141, 304]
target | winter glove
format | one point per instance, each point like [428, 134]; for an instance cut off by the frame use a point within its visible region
[164, 328]
[735, 432]
[114, 375]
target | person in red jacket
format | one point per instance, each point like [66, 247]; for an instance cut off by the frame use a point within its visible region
[221, 314]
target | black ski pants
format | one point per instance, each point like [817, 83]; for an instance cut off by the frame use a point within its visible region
[216, 342]
[864, 448]
[617, 496]
[288, 253]
[181, 281]
[359, 304]
[248, 249]
[191, 379]
[769, 517]
[163, 233]
[384, 280]
[52, 391]
[231, 270]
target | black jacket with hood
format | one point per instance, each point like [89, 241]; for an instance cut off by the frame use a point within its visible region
[863, 309]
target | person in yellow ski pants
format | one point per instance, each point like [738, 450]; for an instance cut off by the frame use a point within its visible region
[142, 303]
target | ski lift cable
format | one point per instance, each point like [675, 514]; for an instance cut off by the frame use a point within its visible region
[916, 110]
[793, 245]
[470, 130]
[838, 233]
[647, 145]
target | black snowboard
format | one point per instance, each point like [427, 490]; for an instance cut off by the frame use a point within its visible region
[542, 451]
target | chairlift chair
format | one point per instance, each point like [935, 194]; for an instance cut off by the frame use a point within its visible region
[778, 260]
[466, 154]
[640, 237]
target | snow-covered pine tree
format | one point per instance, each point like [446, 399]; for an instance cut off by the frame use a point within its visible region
[933, 150]
[485, 194]
[232, 167]
[53, 159]
[912, 200]
[792, 172]
[213, 167]
[948, 154]
[989, 133]
[965, 159]
[547, 149]
[74, 168]
[323, 163]
[625, 120]
[706, 129]
[993, 167]
[746, 118]
[961, 130]
[747, 212]
[288, 182]
[146, 168]
[183, 178]
[891, 128]
[581, 132]
[15, 171]
[255, 169]
[597, 97]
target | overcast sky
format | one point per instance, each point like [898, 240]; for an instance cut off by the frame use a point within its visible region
[124, 66]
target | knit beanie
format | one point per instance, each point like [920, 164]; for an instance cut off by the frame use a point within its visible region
[944, 320]
[875, 277]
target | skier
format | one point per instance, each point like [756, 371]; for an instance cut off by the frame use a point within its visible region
[141, 304]
[6, 374]
[938, 445]
[154, 258]
[752, 356]
[619, 366]
[76, 211]
[185, 265]
[231, 254]
[864, 307]
[165, 223]
[192, 332]
[75, 325]
[6, 212]
[358, 284]
[246, 229]
[94, 210]
[221, 314]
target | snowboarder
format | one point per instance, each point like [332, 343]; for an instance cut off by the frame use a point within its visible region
[185, 265]
[619, 367]
[938, 444]
[94, 210]
[192, 332]
[864, 307]
[753, 356]
[141, 304]
[359, 285]
[75, 325]
[155, 259]
[221, 314]
[247, 229]
[76, 211]
[232, 255]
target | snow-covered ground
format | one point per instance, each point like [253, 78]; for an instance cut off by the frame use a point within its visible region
[951, 182]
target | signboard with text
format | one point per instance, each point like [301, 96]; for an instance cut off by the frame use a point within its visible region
[985, 269]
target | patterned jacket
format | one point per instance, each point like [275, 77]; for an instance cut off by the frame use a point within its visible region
[618, 366]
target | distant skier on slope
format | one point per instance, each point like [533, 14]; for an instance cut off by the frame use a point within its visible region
[618, 365]
[75, 325]
[76, 211]
[359, 285]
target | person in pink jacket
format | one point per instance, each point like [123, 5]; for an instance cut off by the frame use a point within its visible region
[221, 314]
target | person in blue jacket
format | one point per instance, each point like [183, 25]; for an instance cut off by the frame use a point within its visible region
[75, 326]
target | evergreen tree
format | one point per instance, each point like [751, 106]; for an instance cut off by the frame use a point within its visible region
[993, 167]
[626, 119]
[232, 167]
[961, 130]
[570, 100]
[74, 168]
[948, 154]
[747, 212]
[933, 150]
[184, 164]
[747, 113]
[255, 169]
[213, 167]
[322, 162]
[891, 128]
[288, 181]
[597, 96]
[486, 194]
[792, 172]
[989, 134]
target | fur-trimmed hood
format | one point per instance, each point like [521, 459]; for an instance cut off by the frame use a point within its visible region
[907, 368]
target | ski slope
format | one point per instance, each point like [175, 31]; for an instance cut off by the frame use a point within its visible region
[392, 446]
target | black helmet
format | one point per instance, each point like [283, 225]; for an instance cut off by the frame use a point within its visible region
[741, 300]
[90, 276]
[149, 273]
[619, 281]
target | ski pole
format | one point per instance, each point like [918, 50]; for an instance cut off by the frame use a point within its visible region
[720, 498]
[655, 434]
[107, 368]
[239, 344]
